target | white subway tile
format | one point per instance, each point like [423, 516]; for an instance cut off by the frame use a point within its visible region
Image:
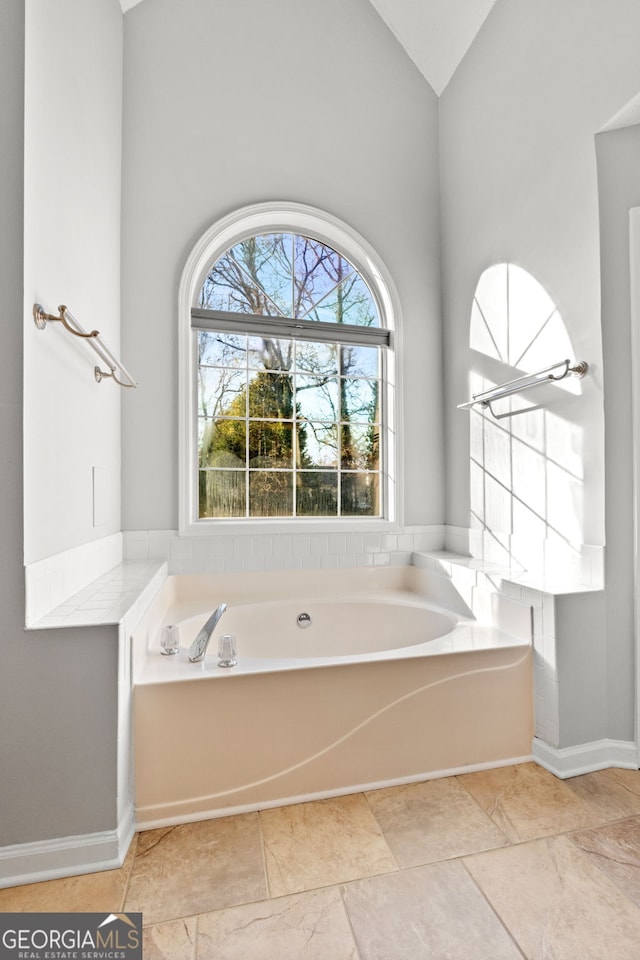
[347, 560]
[214, 565]
[262, 546]
[337, 543]
[282, 545]
[400, 558]
[548, 614]
[355, 543]
[191, 565]
[222, 546]
[160, 543]
[243, 549]
[181, 549]
[372, 542]
[329, 560]
[202, 549]
[132, 535]
[251, 564]
[300, 545]
[318, 544]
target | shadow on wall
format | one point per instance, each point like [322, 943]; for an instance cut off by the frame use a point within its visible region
[527, 483]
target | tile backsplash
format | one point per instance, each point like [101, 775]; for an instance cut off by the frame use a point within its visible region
[277, 551]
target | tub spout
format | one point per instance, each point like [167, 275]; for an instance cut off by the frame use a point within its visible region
[199, 646]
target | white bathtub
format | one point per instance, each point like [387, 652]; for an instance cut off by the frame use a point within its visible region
[384, 686]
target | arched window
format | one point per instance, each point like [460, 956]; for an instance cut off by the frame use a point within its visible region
[289, 343]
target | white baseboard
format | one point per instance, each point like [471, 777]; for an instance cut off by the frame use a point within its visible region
[23, 863]
[567, 762]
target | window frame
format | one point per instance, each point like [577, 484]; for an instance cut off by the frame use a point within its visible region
[286, 217]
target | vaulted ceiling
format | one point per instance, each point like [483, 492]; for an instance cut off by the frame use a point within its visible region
[436, 34]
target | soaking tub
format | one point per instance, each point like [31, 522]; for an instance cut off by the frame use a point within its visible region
[343, 681]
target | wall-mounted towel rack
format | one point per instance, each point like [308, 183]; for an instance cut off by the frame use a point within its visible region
[118, 371]
[488, 397]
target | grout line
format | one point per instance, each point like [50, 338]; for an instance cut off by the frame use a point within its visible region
[354, 936]
[196, 936]
[381, 829]
[493, 910]
[263, 848]
[510, 842]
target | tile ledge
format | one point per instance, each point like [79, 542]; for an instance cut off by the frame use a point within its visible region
[521, 578]
[107, 600]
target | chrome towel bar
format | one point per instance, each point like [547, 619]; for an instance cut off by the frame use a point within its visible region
[487, 397]
[118, 371]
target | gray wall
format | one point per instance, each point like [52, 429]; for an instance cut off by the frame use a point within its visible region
[235, 102]
[57, 688]
[520, 185]
[618, 154]
[73, 123]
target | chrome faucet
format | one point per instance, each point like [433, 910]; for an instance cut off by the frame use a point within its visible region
[199, 646]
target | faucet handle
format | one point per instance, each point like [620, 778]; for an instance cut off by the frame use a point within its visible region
[170, 640]
[227, 651]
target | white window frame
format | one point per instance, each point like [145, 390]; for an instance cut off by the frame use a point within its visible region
[285, 217]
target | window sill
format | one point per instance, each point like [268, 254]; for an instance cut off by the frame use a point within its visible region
[215, 528]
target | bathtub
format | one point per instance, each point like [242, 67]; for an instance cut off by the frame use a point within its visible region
[386, 681]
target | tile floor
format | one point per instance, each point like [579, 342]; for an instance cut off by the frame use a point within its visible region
[498, 865]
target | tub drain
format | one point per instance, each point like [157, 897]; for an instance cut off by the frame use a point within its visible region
[304, 620]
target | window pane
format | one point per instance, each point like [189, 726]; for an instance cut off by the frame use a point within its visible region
[221, 349]
[318, 358]
[360, 447]
[360, 361]
[222, 493]
[253, 277]
[350, 302]
[271, 395]
[317, 398]
[360, 494]
[222, 392]
[274, 412]
[222, 443]
[359, 400]
[270, 494]
[268, 353]
[270, 444]
[317, 494]
[318, 269]
[317, 445]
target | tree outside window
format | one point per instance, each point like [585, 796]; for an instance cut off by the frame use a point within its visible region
[288, 425]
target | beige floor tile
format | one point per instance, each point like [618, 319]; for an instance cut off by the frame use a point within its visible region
[88, 893]
[433, 911]
[613, 793]
[310, 925]
[527, 801]
[436, 820]
[316, 844]
[557, 904]
[615, 848]
[196, 867]
[175, 940]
